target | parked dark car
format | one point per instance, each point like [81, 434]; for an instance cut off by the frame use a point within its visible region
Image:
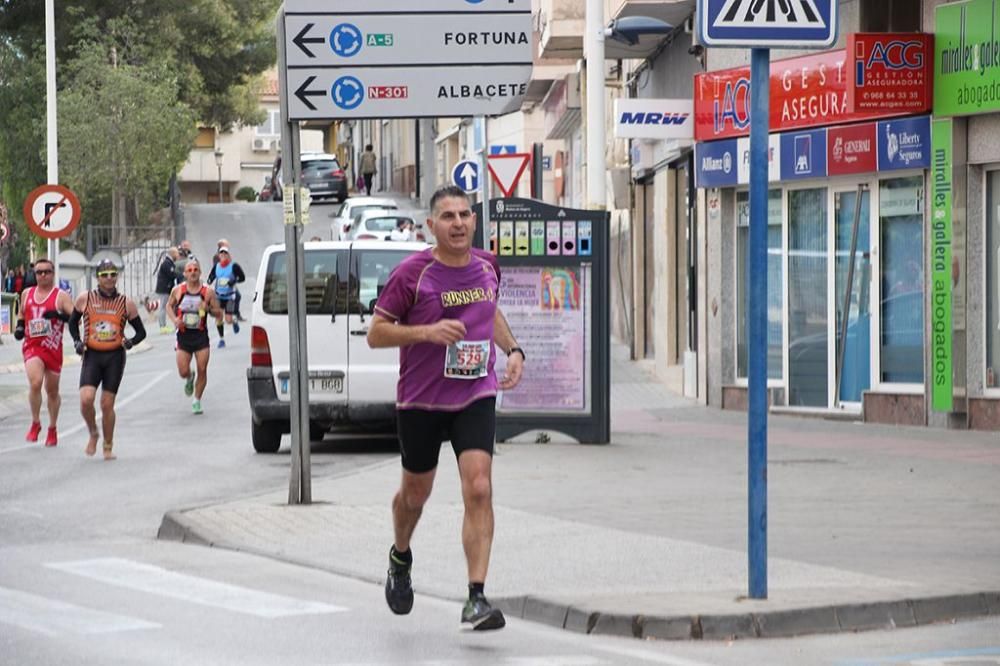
[321, 173]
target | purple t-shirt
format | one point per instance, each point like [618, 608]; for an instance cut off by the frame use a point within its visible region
[422, 290]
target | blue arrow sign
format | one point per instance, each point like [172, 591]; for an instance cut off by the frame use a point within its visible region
[767, 23]
[466, 175]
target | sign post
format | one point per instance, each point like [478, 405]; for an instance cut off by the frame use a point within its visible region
[751, 24]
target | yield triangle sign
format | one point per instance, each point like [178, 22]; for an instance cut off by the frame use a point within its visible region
[506, 170]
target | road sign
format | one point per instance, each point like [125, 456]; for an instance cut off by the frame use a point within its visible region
[52, 211]
[420, 39]
[406, 6]
[466, 175]
[402, 92]
[767, 23]
[506, 170]
[503, 149]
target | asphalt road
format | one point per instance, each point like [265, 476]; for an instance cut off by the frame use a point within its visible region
[84, 581]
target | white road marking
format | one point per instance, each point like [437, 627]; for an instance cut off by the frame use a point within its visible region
[155, 580]
[53, 618]
[80, 426]
[546, 660]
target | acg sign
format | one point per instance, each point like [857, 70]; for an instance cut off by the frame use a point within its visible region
[891, 71]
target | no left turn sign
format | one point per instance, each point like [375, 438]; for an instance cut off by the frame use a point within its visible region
[52, 211]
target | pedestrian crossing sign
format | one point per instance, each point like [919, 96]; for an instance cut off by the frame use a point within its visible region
[767, 23]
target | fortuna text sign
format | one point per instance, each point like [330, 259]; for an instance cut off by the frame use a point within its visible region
[405, 6]
[654, 118]
[398, 92]
[381, 39]
[767, 24]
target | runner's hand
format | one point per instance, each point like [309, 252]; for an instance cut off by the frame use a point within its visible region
[78, 346]
[512, 375]
[126, 344]
[446, 332]
[19, 331]
[180, 326]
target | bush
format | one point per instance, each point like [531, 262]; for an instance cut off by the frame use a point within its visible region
[246, 193]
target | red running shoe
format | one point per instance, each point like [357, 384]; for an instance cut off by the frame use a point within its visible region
[32, 435]
[52, 438]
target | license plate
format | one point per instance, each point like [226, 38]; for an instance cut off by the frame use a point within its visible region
[318, 385]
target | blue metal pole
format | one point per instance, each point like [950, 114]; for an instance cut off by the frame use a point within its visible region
[757, 324]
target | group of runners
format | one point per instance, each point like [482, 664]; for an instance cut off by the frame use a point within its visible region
[440, 307]
[97, 324]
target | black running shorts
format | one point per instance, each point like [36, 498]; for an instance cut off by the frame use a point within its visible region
[421, 433]
[193, 341]
[228, 305]
[103, 368]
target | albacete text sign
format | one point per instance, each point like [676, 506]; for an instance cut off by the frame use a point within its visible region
[404, 59]
[767, 24]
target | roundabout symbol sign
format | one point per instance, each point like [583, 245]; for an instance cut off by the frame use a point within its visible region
[346, 40]
[347, 92]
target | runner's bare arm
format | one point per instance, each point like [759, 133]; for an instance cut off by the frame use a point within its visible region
[64, 303]
[384, 333]
[213, 304]
[19, 326]
[172, 307]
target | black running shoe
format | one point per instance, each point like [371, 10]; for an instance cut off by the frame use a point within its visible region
[398, 590]
[481, 616]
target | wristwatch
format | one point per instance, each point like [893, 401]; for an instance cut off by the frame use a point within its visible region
[524, 357]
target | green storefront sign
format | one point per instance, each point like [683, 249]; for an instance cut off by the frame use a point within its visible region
[941, 197]
[967, 58]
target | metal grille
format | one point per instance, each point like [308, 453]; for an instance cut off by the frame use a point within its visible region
[141, 250]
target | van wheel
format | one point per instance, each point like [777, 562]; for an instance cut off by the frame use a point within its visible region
[266, 436]
[316, 432]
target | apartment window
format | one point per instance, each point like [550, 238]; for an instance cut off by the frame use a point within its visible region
[205, 138]
[890, 16]
[271, 125]
[901, 222]
[775, 287]
[993, 280]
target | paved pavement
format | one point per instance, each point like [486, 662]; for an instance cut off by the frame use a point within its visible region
[869, 526]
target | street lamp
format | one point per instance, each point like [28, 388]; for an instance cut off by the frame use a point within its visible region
[628, 28]
[218, 163]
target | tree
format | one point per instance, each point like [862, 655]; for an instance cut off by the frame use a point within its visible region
[122, 130]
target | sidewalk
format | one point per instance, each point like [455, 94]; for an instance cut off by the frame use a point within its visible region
[869, 527]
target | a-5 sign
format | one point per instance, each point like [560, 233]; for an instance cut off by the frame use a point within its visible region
[767, 23]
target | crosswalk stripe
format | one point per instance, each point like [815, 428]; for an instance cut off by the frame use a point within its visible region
[546, 660]
[155, 580]
[53, 618]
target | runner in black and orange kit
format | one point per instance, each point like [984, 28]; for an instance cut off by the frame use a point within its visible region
[188, 307]
[104, 312]
[44, 311]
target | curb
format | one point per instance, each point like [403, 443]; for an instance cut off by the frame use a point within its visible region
[841, 618]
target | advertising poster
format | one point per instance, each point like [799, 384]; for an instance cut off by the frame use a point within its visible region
[546, 308]
[966, 66]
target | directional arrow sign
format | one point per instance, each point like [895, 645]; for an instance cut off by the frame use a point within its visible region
[406, 6]
[384, 92]
[380, 39]
[506, 170]
[466, 175]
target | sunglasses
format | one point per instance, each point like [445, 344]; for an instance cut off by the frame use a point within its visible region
[44, 271]
[107, 274]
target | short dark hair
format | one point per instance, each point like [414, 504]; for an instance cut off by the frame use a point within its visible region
[43, 260]
[447, 191]
[368, 146]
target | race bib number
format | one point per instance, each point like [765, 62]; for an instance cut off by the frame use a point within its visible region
[191, 319]
[467, 359]
[39, 328]
[105, 333]
[223, 282]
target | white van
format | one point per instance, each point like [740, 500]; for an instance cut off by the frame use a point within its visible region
[350, 385]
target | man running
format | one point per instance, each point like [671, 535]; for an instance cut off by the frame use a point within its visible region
[225, 275]
[188, 307]
[440, 308]
[104, 312]
[44, 311]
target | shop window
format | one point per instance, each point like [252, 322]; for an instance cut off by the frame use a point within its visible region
[993, 280]
[808, 320]
[901, 221]
[890, 16]
[775, 302]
